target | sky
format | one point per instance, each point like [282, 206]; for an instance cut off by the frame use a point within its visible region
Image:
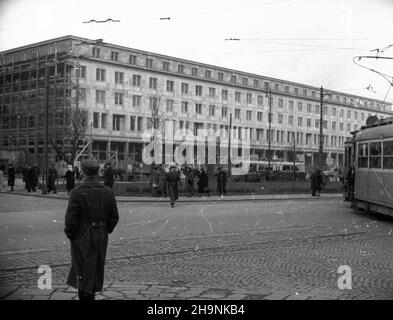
[307, 41]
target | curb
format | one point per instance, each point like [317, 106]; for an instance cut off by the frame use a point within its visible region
[197, 200]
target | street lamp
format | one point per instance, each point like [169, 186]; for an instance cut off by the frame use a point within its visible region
[269, 96]
[321, 128]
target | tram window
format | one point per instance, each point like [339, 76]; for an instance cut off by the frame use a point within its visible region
[363, 155]
[375, 155]
[388, 154]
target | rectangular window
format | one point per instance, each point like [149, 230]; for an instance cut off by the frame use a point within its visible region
[119, 77]
[224, 112]
[198, 90]
[334, 111]
[119, 98]
[286, 89]
[132, 123]
[184, 88]
[100, 96]
[220, 76]
[180, 69]
[248, 115]
[280, 118]
[296, 91]
[237, 114]
[349, 114]
[290, 105]
[136, 101]
[208, 74]
[116, 119]
[260, 100]
[348, 127]
[317, 109]
[149, 62]
[184, 107]
[305, 92]
[237, 96]
[140, 124]
[165, 66]
[316, 123]
[136, 80]
[308, 122]
[325, 124]
[212, 110]
[212, 92]
[100, 74]
[333, 125]
[82, 94]
[256, 83]
[300, 121]
[169, 105]
[280, 103]
[114, 56]
[341, 126]
[290, 120]
[96, 52]
[153, 103]
[96, 118]
[363, 155]
[198, 108]
[170, 85]
[224, 94]
[376, 155]
[249, 98]
[103, 120]
[132, 59]
[388, 154]
[300, 106]
[233, 79]
[153, 83]
[81, 72]
[355, 115]
[309, 108]
[194, 71]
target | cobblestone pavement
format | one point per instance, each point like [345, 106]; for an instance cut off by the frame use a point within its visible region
[248, 250]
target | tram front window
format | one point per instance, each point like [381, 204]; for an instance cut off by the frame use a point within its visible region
[388, 155]
[375, 155]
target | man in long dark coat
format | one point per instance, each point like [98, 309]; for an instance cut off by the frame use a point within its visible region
[173, 180]
[189, 173]
[319, 181]
[221, 182]
[162, 184]
[203, 183]
[91, 215]
[109, 178]
[11, 176]
[52, 177]
[35, 175]
[70, 179]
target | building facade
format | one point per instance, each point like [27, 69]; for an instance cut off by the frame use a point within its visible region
[117, 88]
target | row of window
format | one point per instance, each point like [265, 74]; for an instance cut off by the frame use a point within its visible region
[375, 155]
[137, 125]
[234, 79]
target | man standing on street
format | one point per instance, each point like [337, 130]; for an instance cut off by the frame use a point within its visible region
[108, 176]
[91, 215]
[52, 177]
[173, 181]
[221, 182]
[11, 176]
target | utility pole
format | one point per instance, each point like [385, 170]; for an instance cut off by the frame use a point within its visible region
[321, 140]
[269, 95]
[229, 147]
[45, 173]
[294, 158]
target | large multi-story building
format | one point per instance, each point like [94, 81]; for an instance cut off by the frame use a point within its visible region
[117, 88]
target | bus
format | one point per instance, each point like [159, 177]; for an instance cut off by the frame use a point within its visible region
[369, 153]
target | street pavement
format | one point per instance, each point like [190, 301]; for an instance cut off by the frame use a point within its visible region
[249, 247]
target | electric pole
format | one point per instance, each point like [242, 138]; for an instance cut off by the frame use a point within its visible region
[229, 147]
[269, 95]
[321, 140]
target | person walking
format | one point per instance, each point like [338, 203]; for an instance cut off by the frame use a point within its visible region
[154, 182]
[109, 178]
[11, 176]
[35, 175]
[313, 183]
[173, 181]
[91, 216]
[203, 183]
[221, 182]
[2, 184]
[189, 174]
[51, 180]
[77, 174]
[319, 182]
[70, 179]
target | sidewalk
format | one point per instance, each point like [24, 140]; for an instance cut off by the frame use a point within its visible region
[157, 291]
[248, 197]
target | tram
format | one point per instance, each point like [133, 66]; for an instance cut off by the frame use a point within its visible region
[369, 167]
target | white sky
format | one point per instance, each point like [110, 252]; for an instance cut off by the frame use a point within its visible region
[306, 41]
